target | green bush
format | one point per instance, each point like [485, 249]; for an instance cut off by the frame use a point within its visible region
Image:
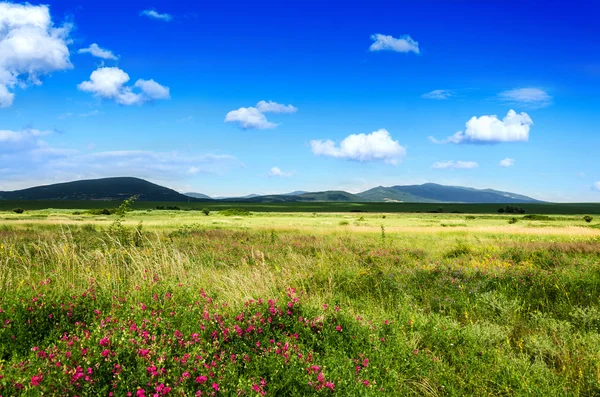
[18, 210]
[235, 212]
[588, 218]
[536, 217]
[513, 221]
[344, 223]
[205, 211]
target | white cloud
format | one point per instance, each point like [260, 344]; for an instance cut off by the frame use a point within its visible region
[389, 43]
[152, 89]
[532, 97]
[274, 107]
[597, 186]
[109, 83]
[507, 162]
[30, 47]
[254, 117]
[36, 162]
[489, 129]
[98, 52]
[276, 171]
[18, 141]
[376, 146]
[444, 165]
[438, 94]
[155, 15]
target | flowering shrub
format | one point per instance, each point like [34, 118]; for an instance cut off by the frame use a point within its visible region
[156, 342]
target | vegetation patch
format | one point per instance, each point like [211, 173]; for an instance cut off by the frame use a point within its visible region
[235, 212]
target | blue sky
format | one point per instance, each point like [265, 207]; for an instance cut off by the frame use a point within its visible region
[231, 98]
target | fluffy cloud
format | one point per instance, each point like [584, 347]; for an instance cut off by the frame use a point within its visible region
[98, 52]
[155, 15]
[18, 141]
[507, 162]
[389, 43]
[30, 47]
[597, 186]
[376, 146]
[489, 129]
[276, 171]
[254, 117]
[109, 83]
[437, 94]
[274, 107]
[444, 165]
[532, 97]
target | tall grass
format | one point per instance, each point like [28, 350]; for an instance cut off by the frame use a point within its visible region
[436, 314]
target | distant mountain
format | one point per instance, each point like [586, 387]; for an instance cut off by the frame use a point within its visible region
[197, 195]
[295, 193]
[98, 189]
[122, 188]
[393, 194]
[457, 194]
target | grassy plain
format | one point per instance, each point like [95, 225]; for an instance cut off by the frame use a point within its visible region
[298, 304]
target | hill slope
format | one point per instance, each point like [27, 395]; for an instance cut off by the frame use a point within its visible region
[198, 195]
[458, 194]
[98, 189]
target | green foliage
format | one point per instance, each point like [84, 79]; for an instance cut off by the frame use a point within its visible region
[513, 220]
[460, 249]
[510, 209]
[205, 211]
[121, 234]
[104, 211]
[235, 212]
[537, 217]
[18, 210]
[168, 207]
[588, 218]
[344, 223]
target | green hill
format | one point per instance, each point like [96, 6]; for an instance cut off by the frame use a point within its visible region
[98, 189]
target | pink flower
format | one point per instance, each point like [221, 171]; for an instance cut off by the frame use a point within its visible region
[338, 328]
[330, 385]
[105, 353]
[104, 341]
[201, 379]
[366, 383]
[36, 380]
[215, 386]
[141, 393]
[143, 352]
[185, 375]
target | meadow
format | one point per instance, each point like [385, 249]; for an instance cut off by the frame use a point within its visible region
[153, 303]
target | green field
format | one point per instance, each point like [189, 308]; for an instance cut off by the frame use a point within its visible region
[299, 303]
[544, 208]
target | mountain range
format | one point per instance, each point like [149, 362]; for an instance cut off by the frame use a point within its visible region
[121, 188]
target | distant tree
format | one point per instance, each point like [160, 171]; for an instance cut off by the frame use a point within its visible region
[588, 218]
[501, 210]
[18, 210]
[205, 211]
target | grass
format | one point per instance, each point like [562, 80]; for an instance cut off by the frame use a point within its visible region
[298, 304]
[309, 207]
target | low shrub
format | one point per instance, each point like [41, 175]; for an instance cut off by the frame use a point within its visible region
[18, 210]
[536, 217]
[235, 212]
[588, 218]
